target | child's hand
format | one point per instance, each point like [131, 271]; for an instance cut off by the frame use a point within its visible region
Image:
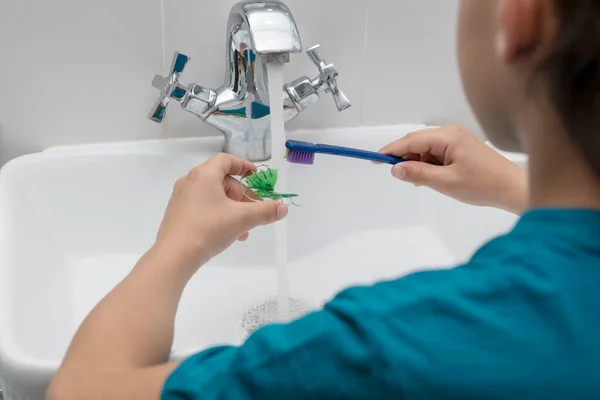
[208, 211]
[454, 162]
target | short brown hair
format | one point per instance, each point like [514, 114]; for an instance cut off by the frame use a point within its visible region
[573, 72]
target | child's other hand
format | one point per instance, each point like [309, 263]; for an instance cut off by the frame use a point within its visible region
[454, 162]
[208, 211]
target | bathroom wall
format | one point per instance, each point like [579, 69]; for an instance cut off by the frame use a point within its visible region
[78, 71]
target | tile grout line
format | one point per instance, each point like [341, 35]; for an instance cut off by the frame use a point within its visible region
[164, 59]
[363, 83]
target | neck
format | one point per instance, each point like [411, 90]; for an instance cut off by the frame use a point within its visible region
[559, 176]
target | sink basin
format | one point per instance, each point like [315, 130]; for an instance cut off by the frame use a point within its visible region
[74, 220]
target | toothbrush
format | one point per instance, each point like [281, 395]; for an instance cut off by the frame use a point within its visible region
[299, 152]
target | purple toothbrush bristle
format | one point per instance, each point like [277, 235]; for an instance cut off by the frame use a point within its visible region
[301, 157]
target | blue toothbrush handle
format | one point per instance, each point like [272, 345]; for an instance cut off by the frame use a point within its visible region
[356, 153]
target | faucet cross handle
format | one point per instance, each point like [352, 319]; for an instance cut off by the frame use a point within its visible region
[327, 78]
[169, 87]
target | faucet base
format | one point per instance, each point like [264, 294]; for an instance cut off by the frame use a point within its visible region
[251, 147]
[248, 130]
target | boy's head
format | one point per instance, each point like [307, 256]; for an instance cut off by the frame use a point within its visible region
[519, 57]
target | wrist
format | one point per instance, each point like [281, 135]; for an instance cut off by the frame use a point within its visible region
[178, 255]
[514, 196]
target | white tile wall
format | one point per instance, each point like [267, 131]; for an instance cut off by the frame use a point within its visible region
[411, 70]
[74, 71]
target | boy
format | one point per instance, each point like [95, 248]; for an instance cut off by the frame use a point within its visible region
[520, 320]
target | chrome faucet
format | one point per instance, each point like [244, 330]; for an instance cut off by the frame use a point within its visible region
[258, 33]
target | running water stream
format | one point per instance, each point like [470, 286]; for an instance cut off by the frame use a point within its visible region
[275, 77]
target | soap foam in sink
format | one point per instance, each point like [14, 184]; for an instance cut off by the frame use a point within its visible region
[267, 312]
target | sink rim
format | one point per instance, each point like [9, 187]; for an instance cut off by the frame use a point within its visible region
[212, 144]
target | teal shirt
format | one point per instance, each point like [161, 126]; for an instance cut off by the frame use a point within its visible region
[521, 320]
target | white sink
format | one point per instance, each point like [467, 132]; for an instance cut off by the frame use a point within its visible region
[74, 220]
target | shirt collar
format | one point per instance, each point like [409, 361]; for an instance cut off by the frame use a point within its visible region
[585, 223]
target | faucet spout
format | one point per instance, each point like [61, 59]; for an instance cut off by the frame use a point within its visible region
[270, 26]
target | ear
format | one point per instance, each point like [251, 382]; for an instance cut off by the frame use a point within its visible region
[519, 28]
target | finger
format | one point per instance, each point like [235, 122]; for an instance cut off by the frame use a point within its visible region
[243, 237]
[407, 157]
[233, 188]
[412, 157]
[429, 159]
[262, 213]
[434, 141]
[422, 174]
[237, 191]
[227, 164]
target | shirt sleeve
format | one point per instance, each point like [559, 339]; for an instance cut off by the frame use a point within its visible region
[426, 332]
[305, 359]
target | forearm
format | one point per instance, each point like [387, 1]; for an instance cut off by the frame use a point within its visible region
[132, 327]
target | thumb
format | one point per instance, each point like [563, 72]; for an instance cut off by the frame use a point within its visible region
[420, 173]
[264, 212]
